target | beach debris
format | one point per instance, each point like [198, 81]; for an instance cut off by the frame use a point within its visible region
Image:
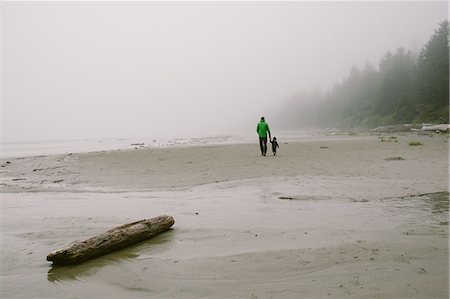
[304, 197]
[436, 128]
[139, 145]
[394, 159]
[19, 179]
[422, 271]
[415, 143]
[389, 139]
[358, 200]
[111, 240]
[399, 128]
[6, 163]
[58, 181]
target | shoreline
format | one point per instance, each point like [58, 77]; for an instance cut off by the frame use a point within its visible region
[27, 149]
[386, 157]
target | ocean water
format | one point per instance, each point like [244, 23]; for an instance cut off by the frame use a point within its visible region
[54, 147]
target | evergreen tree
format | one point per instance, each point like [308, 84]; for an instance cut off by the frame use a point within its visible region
[404, 89]
[432, 92]
[397, 73]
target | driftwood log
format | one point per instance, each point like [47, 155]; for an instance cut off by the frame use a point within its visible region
[111, 240]
[437, 128]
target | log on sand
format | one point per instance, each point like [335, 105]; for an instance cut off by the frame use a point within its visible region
[111, 240]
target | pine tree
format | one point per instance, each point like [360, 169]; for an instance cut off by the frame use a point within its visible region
[432, 94]
[404, 89]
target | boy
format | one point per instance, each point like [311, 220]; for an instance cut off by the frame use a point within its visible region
[274, 145]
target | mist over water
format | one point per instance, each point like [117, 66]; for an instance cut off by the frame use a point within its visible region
[76, 70]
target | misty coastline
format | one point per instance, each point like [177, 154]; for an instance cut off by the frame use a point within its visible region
[56, 147]
[117, 111]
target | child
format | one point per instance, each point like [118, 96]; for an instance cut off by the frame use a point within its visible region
[274, 145]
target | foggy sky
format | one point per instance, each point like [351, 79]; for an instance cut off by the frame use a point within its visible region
[181, 69]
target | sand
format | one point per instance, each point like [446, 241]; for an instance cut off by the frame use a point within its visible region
[363, 216]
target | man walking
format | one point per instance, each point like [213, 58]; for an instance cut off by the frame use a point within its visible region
[262, 129]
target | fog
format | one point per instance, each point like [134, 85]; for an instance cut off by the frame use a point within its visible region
[179, 69]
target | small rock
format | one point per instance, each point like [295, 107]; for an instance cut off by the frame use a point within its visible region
[394, 159]
[285, 197]
[422, 271]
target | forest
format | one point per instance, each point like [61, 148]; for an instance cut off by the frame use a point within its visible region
[405, 88]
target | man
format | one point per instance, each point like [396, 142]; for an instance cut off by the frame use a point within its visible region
[262, 129]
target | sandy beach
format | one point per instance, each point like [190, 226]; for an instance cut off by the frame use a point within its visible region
[346, 216]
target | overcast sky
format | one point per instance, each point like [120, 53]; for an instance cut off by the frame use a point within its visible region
[181, 69]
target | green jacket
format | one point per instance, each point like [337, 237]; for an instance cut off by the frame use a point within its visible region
[262, 129]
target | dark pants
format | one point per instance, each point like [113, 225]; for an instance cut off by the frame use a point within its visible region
[274, 148]
[263, 145]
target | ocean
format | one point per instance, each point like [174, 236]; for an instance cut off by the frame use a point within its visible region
[55, 147]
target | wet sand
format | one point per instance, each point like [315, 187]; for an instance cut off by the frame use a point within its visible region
[334, 218]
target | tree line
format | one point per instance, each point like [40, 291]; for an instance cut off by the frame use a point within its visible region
[405, 88]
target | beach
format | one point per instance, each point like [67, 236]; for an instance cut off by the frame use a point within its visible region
[341, 216]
